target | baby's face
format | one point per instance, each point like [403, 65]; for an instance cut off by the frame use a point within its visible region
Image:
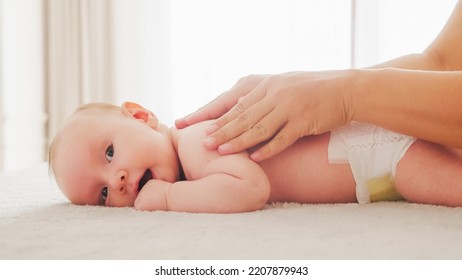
[106, 157]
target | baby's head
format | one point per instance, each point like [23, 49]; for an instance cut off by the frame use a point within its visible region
[104, 154]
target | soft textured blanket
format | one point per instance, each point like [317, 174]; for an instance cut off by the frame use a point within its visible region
[36, 222]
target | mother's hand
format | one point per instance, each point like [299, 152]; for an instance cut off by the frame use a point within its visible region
[279, 109]
[220, 105]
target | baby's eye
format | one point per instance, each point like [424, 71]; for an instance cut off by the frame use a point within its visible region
[104, 194]
[109, 153]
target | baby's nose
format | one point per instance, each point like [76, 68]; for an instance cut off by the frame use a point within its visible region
[122, 175]
[120, 180]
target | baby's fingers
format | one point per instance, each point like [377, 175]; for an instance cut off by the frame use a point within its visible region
[153, 196]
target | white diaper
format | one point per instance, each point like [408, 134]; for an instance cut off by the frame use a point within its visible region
[371, 151]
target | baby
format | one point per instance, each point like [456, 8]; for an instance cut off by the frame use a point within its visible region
[123, 156]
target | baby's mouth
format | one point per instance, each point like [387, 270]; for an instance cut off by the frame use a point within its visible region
[146, 177]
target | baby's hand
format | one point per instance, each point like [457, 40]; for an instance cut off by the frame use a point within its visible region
[153, 196]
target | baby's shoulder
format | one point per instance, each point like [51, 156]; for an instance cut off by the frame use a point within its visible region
[192, 134]
[192, 154]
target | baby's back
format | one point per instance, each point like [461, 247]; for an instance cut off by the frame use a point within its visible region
[302, 173]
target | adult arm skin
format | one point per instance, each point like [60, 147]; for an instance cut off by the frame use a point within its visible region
[425, 104]
[418, 95]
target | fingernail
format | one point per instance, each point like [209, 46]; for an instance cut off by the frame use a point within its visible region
[211, 129]
[209, 142]
[225, 148]
[255, 156]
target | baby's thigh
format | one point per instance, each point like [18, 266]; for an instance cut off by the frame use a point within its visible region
[430, 173]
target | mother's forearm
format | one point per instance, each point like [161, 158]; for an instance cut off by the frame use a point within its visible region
[420, 61]
[423, 104]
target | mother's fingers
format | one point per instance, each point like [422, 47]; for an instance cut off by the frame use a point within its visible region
[211, 110]
[236, 127]
[282, 140]
[261, 131]
[245, 119]
[221, 104]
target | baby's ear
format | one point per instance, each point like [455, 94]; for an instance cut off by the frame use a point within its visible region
[134, 110]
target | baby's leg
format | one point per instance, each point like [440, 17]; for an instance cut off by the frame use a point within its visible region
[430, 173]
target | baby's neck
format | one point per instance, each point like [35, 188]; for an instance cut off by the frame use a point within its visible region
[173, 137]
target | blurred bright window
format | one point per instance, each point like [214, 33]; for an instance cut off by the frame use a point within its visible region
[175, 55]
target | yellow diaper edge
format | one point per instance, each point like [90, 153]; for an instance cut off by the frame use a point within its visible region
[382, 188]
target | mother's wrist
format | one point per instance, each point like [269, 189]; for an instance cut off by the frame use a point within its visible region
[352, 93]
[364, 87]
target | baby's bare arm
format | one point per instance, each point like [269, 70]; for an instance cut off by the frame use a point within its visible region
[229, 184]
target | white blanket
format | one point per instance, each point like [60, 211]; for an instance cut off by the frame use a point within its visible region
[37, 222]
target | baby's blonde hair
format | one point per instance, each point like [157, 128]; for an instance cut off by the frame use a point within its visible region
[55, 140]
